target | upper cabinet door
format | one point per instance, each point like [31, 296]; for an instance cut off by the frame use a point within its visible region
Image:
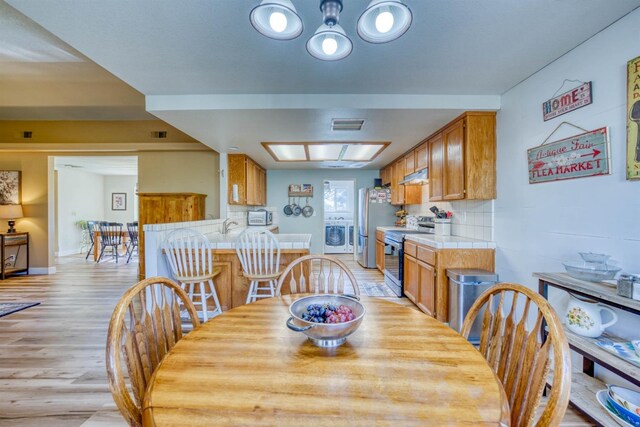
[400, 177]
[436, 168]
[454, 159]
[422, 156]
[409, 163]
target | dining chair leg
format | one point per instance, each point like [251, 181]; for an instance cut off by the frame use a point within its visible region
[203, 302]
[251, 292]
[89, 251]
[101, 253]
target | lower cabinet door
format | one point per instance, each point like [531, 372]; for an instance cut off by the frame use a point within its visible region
[380, 255]
[427, 286]
[411, 278]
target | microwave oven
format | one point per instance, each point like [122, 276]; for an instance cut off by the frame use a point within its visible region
[259, 217]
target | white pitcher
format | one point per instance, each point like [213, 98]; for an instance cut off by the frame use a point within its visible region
[583, 317]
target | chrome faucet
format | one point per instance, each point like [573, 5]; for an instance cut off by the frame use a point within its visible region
[226, 224]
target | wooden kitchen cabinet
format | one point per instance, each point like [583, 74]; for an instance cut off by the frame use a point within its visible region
[462, 159]
[410, 279]
[422, 156]
[425, 275]
[250, 178]
[380, 255]
[160, 208]
[409, 163]
[385, 175]
[403, 194]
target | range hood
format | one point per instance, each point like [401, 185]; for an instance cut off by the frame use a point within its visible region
[416, 178]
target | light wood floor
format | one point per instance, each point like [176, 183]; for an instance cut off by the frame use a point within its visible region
[52, 356]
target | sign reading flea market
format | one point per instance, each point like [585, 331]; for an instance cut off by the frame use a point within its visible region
[568, 101]
[580, 156]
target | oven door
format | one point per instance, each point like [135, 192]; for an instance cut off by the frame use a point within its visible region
[393, 265]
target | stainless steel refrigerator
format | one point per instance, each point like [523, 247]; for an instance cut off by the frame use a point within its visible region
[374, 210]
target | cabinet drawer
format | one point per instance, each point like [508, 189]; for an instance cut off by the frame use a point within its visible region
[380, 235]
[15, 240]
[410, 248]
[426, 254]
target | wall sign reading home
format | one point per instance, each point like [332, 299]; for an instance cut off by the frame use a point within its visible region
[579, 156]
[568, 101]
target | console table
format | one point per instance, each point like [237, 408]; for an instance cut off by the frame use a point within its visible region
[11, 247]
[583, 385]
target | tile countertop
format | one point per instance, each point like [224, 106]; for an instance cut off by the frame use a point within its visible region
[390, 228]
[450, 242]
[287, 241]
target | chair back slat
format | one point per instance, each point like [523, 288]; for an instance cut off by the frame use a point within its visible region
[258, 252]
[323, 274]
[189, 254]
[111, 233]
[132, 229]
[519, 354]
[144, 326]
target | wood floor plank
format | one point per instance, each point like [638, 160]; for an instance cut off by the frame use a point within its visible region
[52, 366]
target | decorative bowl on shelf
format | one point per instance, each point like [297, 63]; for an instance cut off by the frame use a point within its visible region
[628, 399]
[591, 272]
[325, 334]
[602, 397]
[627, 415]
[594, 257]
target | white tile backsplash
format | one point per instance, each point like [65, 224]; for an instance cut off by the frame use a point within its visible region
[471, 218]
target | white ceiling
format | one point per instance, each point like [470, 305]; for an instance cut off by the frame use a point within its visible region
[100, 165]
[206, 71]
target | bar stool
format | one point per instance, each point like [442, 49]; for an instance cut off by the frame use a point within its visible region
[259, 254]
[190, 258]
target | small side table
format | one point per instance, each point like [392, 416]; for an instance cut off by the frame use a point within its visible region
[14, 254]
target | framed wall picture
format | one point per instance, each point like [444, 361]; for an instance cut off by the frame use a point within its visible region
[118, 201]
[10, 188]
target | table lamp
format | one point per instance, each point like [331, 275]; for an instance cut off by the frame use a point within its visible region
[11, 212]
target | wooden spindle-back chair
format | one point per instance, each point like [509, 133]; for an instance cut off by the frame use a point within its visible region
[318, 274]
[259, 254]
[190, 258]
[132, 229]
[144, 326]
[511, 343]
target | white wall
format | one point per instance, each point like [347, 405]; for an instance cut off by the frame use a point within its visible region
[537, 226]
[80, 197]
[120, 184]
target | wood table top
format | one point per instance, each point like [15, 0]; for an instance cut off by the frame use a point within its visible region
[401, 367]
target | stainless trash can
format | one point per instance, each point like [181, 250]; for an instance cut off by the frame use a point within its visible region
[465, 286]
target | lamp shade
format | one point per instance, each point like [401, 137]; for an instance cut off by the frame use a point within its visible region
[276, 19]
[384, 21]
[329, 43]
[10, 211]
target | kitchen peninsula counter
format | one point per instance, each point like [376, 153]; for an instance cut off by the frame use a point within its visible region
[231, 285]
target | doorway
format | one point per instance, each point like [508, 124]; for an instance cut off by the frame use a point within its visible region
[339, 207]
[97, 189]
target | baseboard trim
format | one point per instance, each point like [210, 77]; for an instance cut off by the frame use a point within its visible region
[42, 270]
[69, 252]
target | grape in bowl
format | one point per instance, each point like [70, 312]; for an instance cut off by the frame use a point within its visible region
[342, 321]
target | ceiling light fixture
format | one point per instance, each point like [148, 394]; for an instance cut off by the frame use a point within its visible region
[382, 22]
[276, 19]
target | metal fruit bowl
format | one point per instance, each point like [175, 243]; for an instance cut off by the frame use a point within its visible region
[325, 334]
[591, 272]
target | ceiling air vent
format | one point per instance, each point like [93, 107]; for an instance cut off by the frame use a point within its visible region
[347, 124]
[159, 134]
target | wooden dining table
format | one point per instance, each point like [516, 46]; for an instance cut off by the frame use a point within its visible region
[401, 367]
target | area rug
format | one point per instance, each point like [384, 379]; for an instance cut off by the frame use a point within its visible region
[11, 307]
[376, 290]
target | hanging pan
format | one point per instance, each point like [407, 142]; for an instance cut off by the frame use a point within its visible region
[307, 211]
[288, 209]
[297, 210]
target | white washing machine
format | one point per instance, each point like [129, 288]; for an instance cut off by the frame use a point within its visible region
[335, 236]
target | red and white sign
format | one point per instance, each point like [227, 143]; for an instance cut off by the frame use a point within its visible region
[568, 101]
[579, 156]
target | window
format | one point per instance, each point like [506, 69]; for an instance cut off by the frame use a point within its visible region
[338, 196]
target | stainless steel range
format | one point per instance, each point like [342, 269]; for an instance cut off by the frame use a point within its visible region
[394, 253]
